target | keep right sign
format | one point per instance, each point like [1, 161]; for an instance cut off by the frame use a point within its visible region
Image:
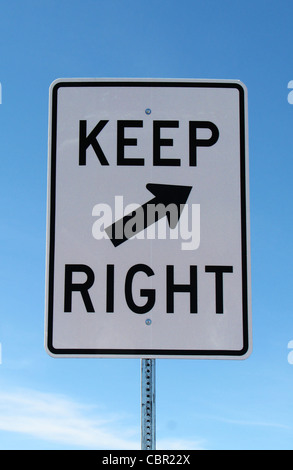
[148, 219]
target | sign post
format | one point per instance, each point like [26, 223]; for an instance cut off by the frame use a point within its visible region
[148, 404]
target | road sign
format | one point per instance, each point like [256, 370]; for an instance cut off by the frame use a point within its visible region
[148, 221]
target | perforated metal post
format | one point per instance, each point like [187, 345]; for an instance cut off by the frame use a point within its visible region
[148, 404]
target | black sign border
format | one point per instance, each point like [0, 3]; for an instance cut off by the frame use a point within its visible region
[143, 353]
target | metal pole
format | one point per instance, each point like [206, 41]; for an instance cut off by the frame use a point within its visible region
[148, 404]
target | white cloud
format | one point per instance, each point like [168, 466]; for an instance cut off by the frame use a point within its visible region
[179, 444]
[267, 424]
[59, 419]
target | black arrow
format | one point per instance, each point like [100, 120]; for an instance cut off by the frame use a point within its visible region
[168, 202]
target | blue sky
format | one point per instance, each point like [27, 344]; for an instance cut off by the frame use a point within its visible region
[48, 403]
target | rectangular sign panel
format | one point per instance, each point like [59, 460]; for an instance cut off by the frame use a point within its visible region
[148, 220]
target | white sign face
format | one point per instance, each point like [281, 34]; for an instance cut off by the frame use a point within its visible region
[148, 221]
